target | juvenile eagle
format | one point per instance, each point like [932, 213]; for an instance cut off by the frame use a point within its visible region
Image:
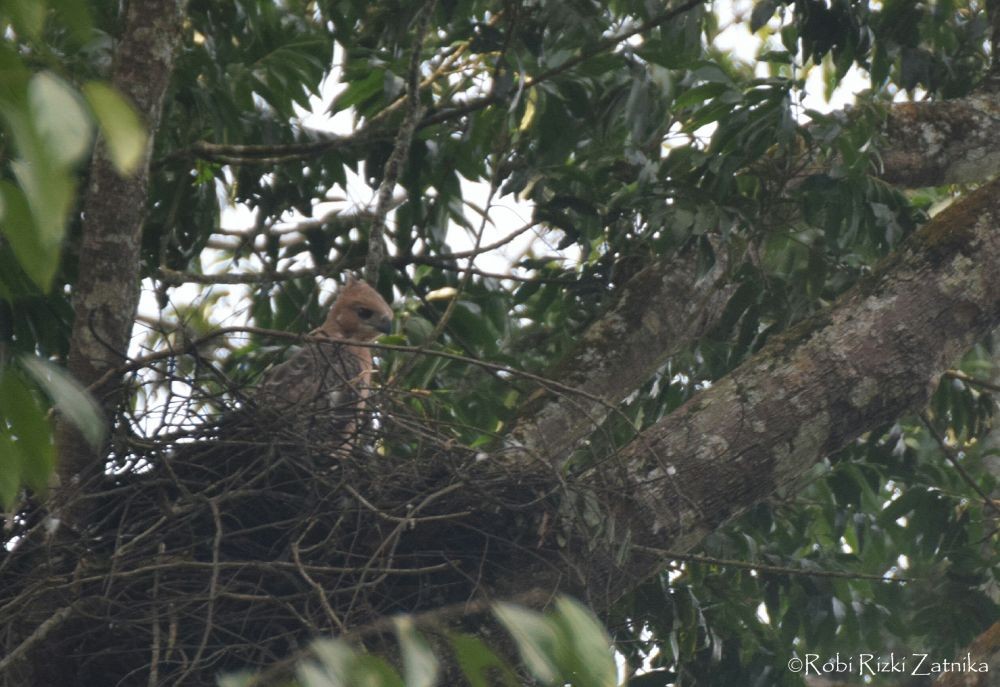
[318, 394]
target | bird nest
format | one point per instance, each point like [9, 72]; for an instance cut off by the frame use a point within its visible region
[218, 541]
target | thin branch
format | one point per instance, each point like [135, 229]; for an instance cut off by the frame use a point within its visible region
[245, 564]
[335, 620]
[154, 658]
[972, 381]
[401, 148]
[496, 244]
[173, 277]
[193, 345]
[766, 568]
[449, 266]
[453, 302]
[213, 593]
[410, 519]
[952, 456]
[242, 154]
[38, 635]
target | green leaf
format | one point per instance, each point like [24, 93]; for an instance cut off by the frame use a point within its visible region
[338, 665]
[10, 469]
[75, 15]
[700, 94]
[35, 210]
[30, 428]
[240, 679]
[49, 192]
[69, 398]
[359, 91]
[333, 666]
[60, 118]
[591, 662]
[18, 227]
[27, 16]
[762, 13]
[476, 659]
[420, 667]
[120, 124]
[536, 638]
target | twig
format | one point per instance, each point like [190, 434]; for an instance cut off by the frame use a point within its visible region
[410, 519]
[176, 278]
[154, 658]
[496, 244]
[263, 566]
[193, 345]
[213, 593]
[444, 264]
[972, 381]
[952, 457]
[320, 592]
[38, 635]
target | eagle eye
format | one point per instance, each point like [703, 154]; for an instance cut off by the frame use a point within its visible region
[365, 313]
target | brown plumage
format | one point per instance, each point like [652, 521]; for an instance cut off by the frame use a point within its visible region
[317, 395]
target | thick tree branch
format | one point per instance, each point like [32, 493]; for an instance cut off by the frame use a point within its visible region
[943, 142]
[661, 310]
[984, 649]
[875, 355]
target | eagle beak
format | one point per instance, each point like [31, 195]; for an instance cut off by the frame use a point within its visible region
[384, 324]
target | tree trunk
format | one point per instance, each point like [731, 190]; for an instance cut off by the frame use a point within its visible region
[106, 292]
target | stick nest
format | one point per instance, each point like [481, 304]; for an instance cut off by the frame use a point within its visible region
[218, 541]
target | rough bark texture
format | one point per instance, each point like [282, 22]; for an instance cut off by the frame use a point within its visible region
[662, 309]
[107, 291]
[875, 355]
[984, 649]
[944, 142]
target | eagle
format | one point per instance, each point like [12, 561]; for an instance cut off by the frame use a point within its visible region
[318, 395]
